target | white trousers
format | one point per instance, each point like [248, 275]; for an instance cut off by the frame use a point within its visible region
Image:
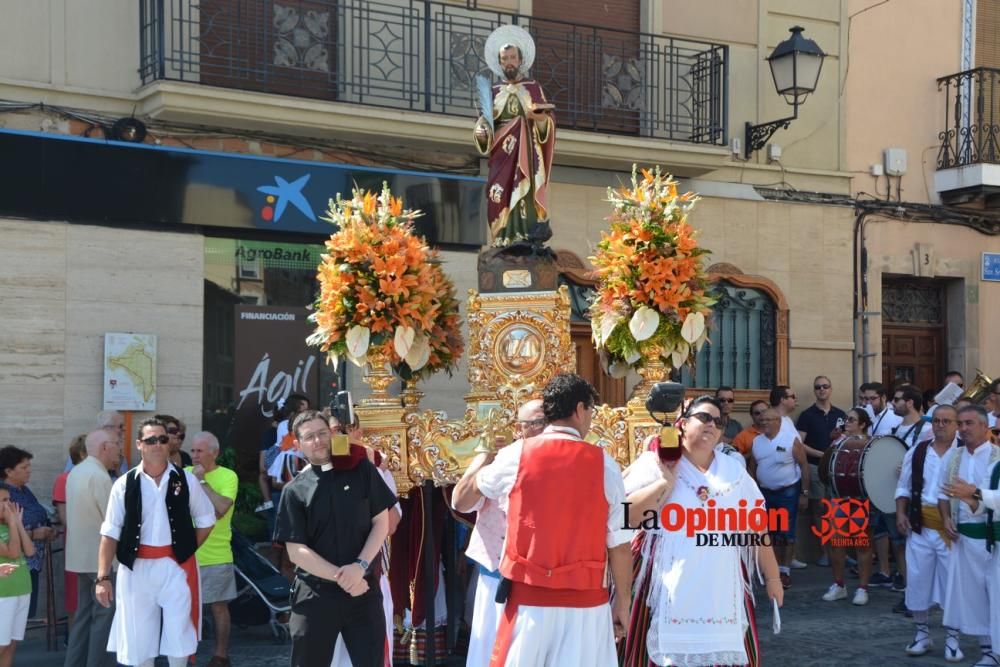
[926, 569]
[485, 616]
[340, 657]
[966, 599]
[560, 636]
[151, 589]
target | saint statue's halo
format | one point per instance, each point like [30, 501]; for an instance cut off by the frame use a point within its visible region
[509, 34]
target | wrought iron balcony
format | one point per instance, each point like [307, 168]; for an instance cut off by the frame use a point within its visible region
[423, 56]
[971, 132]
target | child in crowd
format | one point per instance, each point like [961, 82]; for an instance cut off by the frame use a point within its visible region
[15, 584]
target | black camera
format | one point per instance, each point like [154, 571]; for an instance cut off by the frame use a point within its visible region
[342, 409]
[664, 398]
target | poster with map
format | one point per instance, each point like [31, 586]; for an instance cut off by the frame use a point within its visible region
[129, 371]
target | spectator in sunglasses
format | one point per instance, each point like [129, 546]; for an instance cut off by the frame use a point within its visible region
[817, 425]
[175, 431]
[730, 427]
[157, 517]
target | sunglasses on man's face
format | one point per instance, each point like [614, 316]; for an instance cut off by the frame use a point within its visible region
[757, 413]
[820, 387]
[726, 400]
[156, 440]
[706, 418]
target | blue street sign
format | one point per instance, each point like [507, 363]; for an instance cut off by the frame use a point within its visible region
[991, 266]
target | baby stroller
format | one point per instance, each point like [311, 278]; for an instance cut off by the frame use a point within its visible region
[262, 593]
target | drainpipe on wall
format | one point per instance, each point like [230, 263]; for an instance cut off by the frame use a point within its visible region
[861, 314]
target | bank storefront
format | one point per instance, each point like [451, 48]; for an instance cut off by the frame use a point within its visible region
[213, 253]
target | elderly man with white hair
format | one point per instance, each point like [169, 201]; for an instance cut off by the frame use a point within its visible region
[88, 488]
[215, 555]
[486, 543]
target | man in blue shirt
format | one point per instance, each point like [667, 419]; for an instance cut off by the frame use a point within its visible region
[815, 424]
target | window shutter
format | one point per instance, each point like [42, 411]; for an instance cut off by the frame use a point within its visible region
[988, 33]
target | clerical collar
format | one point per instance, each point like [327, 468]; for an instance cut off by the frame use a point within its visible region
[326, 467]
[569, 430]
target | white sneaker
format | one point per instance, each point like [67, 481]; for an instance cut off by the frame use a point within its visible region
[835, 592]
[952, 653]
[860, 597]
[920, 645]
[989, 659]
[797, 565]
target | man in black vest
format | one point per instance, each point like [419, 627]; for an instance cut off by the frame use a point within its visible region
[333, 518]
[157, 516]
[918, 518]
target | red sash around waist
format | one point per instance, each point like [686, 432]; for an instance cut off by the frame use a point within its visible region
[190, 567]
[538, 596]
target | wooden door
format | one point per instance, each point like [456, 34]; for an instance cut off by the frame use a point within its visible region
[588, 366]
[913, 332]
[913, 355]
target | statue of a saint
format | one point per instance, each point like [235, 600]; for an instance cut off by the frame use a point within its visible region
[518, 132]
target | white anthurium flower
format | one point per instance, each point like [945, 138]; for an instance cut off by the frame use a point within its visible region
[608, 324]
[360, 363]
[680, 354]
[644, 323]
[702, 339]
[403, 340]
[357, 340]
[419, 354]
[693, 327]
[634, 357]
[618, 370]
[334, 360]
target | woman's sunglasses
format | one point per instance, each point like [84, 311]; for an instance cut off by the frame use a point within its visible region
[706, 418]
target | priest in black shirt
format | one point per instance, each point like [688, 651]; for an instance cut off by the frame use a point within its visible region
[333, 519]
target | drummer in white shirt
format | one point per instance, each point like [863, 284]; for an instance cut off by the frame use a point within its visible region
[884, 418]
[778, 463]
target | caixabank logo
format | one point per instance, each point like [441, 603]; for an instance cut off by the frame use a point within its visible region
[844, 523]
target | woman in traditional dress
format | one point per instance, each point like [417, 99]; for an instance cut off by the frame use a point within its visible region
[693, 604]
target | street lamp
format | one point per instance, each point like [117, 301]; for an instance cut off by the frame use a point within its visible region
[795, 67]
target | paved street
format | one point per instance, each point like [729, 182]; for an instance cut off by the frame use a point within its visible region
[814, 633]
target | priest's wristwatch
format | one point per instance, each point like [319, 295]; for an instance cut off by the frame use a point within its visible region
[363, 563]
[977, 495]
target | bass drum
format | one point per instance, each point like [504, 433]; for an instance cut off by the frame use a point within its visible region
[861, 468]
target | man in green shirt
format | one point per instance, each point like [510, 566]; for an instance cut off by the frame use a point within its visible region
[215, 556]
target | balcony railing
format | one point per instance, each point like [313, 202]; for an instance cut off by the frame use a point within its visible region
[423, 56]
[971, 132]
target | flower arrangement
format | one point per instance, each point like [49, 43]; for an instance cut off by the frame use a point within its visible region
[383, 290]
[652, 289]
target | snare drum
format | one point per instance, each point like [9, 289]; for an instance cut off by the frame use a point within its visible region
[861, 468]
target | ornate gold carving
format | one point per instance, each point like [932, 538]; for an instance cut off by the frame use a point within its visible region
[652, 370]
[517, 340]
[378, 376]
[391, 446]
[621, 432]
[440, 450]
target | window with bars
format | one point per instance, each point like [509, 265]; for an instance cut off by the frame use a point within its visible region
[741, 351]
